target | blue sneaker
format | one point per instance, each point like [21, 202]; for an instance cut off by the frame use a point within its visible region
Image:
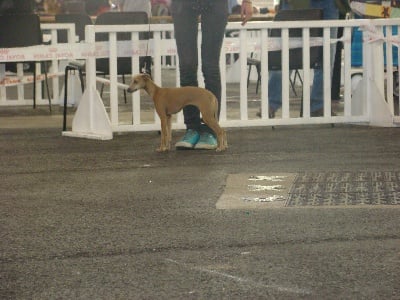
[188, 141]
[207, 141]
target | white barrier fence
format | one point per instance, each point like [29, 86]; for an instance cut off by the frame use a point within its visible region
[38, 53]
[371, 103]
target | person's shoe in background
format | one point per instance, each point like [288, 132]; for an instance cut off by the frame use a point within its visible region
[189, 140]
[207, 141]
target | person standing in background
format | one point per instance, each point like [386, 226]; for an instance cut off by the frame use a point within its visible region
[135, 5]
[330, 12]
[16, 6]
[232, 4]
[214, 18]
[160, 7]
[344, 9]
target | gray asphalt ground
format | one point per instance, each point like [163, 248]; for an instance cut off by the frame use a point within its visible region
[88, 219]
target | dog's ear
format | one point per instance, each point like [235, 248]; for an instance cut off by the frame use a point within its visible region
[146, 76]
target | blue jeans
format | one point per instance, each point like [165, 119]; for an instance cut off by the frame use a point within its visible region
[214, 18]
[330, 11]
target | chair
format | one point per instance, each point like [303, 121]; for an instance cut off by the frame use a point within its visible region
[257, 64]
[23, 30]
[296, 54]
[123, 63]
[75, 7]
[253, 62]
[80, 21]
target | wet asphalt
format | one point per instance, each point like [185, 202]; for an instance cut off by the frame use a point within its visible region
[88, 219]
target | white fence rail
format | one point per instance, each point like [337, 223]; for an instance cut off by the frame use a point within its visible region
[371, 103]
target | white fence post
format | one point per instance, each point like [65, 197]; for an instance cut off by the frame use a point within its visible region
[378, 109]
[91, 119]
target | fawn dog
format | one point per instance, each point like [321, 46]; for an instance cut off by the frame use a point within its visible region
[169, 101]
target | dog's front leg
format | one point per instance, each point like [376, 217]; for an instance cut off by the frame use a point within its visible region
[169, 132]
[164, 134]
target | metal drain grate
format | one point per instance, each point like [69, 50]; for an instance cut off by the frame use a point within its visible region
[345, 188]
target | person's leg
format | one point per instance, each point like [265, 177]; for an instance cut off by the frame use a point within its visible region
[185, 18]
[213, 24]
[336, 71]
[275, 79]
[330, 12]
[275, 91]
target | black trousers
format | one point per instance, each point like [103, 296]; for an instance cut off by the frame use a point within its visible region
[214, 17]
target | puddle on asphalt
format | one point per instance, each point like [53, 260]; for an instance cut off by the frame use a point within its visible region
[264, 199]
[266, 178]
[259, 188]
[246, 191]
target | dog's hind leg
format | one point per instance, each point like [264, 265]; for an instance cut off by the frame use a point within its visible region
[211, 122]
[169, 132]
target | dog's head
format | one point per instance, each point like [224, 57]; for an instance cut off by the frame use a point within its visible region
[138, 82]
